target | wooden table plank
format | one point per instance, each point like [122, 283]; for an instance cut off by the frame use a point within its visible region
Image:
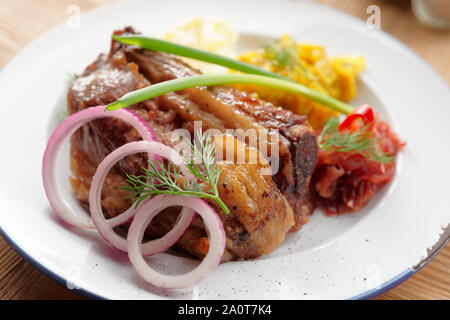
[23, 20]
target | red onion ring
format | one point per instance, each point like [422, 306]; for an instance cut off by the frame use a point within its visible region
[144, 216]
[105, 228]
[65, 130]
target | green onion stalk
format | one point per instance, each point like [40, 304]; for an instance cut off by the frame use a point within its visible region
[213, 80]
[188, 52]
[253, 75]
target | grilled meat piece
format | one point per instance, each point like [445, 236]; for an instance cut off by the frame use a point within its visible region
[226, 108]
[260, 216]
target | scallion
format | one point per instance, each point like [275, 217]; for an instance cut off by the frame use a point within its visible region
[213, 80]
[188, 52]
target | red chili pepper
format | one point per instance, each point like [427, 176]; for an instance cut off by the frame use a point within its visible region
[364, 112]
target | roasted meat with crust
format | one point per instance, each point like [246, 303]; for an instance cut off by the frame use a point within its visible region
[226, 108]
[263, 208]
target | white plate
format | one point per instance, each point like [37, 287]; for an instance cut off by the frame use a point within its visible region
[355, 255]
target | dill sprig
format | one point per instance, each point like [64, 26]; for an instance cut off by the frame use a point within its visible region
[71, 77]
[284, 57]
[361, 142]
[161, 178]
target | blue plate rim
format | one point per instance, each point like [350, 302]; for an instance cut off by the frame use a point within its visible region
[372, 293]
[403, 276]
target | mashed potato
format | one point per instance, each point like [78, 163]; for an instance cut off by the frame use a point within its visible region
[210, 35]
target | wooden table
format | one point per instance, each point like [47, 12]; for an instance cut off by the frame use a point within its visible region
[23, 20]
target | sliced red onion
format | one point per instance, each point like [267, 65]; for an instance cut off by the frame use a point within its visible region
[65, 130]
[105, 228]
[144, 216]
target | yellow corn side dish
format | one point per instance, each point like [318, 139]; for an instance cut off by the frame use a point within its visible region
[309, 65]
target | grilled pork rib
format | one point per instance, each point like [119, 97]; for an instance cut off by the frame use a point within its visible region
[226, 108]
[263, 208]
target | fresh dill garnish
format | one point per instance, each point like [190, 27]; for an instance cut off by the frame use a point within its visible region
[361, 142]
[284, 57]
[161, 178]
[71, 77]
